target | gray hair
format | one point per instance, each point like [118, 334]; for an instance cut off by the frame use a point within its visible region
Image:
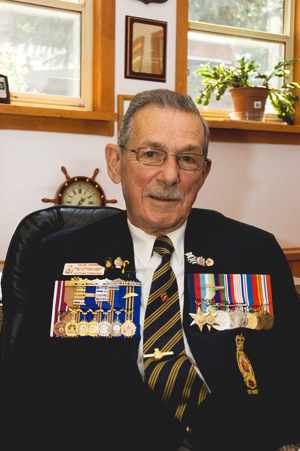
[162, 98]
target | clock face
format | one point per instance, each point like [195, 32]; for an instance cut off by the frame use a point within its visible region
[82, 193]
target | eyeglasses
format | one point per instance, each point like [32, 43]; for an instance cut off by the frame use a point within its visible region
[157, 157]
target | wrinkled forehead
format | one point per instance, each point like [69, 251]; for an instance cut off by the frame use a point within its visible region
[154, 123]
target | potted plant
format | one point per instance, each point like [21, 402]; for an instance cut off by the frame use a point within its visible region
[221, 78]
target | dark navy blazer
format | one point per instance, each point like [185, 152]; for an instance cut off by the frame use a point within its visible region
[95, 385]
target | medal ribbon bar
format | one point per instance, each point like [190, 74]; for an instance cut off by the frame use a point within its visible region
[251, 291]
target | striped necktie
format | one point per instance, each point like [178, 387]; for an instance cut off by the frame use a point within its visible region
[172, 376]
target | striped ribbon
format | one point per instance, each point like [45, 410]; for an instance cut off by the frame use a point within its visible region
[252, 290]
[123, 296]
[172, 377]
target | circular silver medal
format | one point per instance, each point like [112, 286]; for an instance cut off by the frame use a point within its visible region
[115, 328]
[222, 320]
[103, 328]
[243, 318]
[234, 320]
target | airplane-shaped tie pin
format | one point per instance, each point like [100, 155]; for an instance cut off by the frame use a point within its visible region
[158, 354]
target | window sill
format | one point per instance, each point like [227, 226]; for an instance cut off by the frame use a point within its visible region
[14, 117]
[226, 130]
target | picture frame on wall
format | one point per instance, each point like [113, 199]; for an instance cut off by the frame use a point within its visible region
[145, 49]
[123, 104]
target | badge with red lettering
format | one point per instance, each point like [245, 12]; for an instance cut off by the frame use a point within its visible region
[83, 269]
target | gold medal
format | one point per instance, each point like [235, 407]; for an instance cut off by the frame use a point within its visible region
[245, 366]
[252, 321]
[128, 328]
[93, 326]
[260, 321]
[268, 321]
[72, 326]
[83, 326]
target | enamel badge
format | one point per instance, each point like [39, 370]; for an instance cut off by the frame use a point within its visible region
[191, 258]
[245, 366]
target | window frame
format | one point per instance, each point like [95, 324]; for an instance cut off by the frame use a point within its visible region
[84, 102]
[100, 120]
[226, 130]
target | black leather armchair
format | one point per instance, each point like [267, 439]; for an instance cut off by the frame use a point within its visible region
[18, 271]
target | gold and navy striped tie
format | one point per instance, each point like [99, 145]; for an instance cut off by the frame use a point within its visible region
[173, 377]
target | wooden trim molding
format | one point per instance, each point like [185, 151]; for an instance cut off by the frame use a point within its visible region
[237, 131]
[293, 258]
[182, 15]
[101, 120]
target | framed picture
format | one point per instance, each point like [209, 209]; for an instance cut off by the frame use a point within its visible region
[123, 104]
[145, 50]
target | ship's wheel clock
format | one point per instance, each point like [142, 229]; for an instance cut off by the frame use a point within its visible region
[80, 191]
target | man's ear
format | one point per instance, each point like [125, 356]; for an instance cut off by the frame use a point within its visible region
[113, 162]
[206, 170]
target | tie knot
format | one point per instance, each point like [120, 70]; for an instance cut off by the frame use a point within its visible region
[163, 245]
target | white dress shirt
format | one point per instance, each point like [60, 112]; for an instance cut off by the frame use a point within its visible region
[146, 262]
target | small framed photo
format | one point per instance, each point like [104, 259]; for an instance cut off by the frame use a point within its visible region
[4, 89]
[123, 104]
[145, 50]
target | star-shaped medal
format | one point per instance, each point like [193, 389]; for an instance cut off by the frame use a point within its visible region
[199, 318]
[210, 319]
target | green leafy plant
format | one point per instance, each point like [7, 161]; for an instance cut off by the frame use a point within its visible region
[221, 78]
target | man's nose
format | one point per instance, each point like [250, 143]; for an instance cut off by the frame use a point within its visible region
[169, 171]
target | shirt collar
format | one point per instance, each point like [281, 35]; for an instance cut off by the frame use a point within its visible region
[143, 243]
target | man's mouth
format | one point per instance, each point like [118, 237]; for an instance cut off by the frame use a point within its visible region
[164, 194]
[164, 199]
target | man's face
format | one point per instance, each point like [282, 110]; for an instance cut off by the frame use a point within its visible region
[159, 198]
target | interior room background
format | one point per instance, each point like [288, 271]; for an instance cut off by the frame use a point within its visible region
[255, 183]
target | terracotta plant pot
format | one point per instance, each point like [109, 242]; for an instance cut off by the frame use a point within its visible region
[249, 103]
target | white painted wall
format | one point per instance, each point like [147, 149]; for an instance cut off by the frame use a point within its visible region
[254, 183]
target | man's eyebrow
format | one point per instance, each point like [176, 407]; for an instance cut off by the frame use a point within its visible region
[154, 145]
[191, 148]
[159, 145]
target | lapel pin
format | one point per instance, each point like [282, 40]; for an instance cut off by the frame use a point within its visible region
[118, 262]
[191, 258]
[165, 297]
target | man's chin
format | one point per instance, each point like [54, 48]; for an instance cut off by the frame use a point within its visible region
[159, 224]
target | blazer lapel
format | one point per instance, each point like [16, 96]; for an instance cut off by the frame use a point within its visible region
[206, 346]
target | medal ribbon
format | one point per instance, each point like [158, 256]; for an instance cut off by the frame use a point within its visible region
[254, 290]
[58, 303]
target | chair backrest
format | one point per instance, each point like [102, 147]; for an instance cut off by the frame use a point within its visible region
[18, 273]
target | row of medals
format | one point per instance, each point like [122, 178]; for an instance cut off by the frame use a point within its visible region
[225, 320]
[94, 328]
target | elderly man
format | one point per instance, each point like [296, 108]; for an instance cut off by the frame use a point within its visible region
[188, 378]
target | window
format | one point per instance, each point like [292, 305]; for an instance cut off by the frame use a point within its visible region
[100, 118]
[46, 51]
[221, 31]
